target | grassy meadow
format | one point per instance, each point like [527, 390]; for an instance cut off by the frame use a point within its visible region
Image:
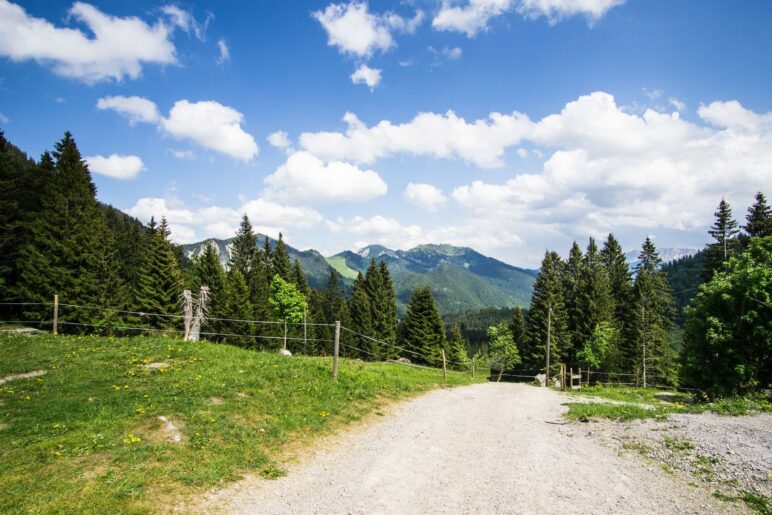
[86, 437]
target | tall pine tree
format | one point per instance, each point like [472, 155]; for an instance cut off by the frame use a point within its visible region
[280, 260]
[389, 325]
[758, 221]
[209, 272]
[159, 282]
[724, 231]
[547, 304]
[422, 331]
[361, 315]
[573, 276]
[650, 321]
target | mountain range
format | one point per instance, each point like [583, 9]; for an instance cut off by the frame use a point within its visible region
[666, 254]
[461, 278]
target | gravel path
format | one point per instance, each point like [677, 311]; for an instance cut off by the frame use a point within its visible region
[729, 454]
[486, 448]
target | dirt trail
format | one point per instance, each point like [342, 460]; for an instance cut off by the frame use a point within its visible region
[486, 448]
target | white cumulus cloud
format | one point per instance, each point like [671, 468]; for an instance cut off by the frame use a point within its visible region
[352, 29]
[116, 166]
[305, 177]
[189, 225]
[447, 136]
[473, 16]
[280, 140]
[211, 125]
[208, 123]
[135, 109]
[366, 75]
[113, 48]
[425, 196]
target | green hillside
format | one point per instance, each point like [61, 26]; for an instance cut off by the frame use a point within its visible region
[86, 435]
[338, 262]
[460, 278]
[315, 266]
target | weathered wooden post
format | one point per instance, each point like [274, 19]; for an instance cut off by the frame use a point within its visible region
[549, 339]
[56, 314]
[580, 377]
[563, 377]
[336, 351]
[444, 366]
[305, 334]
[473, 367]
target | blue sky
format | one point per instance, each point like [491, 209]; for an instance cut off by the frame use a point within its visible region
[511, 126]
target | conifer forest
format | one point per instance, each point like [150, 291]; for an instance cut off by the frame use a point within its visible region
[702, 321]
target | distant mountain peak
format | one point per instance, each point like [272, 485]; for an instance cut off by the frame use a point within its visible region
[666, 254]
[375, 251]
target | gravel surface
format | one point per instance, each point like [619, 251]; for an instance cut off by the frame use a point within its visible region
[724, 453]
[486, 448]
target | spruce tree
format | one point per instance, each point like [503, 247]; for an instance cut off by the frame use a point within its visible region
[389, 325]
[759, 218]
[299, 277]
[280, 260]
[362, 320]
[457, 352]
[620, 285]
[422, 331]
[650, 321]
[596, 302]
[209, 272]
[375, 288]
[237, 306]
[519, 331]
[259, 283]
[573, 276]
[547, 304]
[331, 307]
[113, 293]
[61, 255]
[159, 282]
[724, 231]
[244, 250]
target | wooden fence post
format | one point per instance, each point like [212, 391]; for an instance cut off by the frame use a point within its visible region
[473, 366]
[56, 314]
[444, 367]
[563, 376]
[336, 351]
[305, 334]
[580, 378]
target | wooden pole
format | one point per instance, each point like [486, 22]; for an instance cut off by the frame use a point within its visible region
[285, 334]
[563, 377]
[444, 366]
[473, 366]
[305, 334]
[56, 314]
[571, 375]
[580, 378]
[336, 351]
[549, 330]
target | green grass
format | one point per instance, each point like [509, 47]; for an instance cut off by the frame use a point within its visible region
[647, 396]
[623, 413]
[85, 437]
[339, 264]
[629, 394]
